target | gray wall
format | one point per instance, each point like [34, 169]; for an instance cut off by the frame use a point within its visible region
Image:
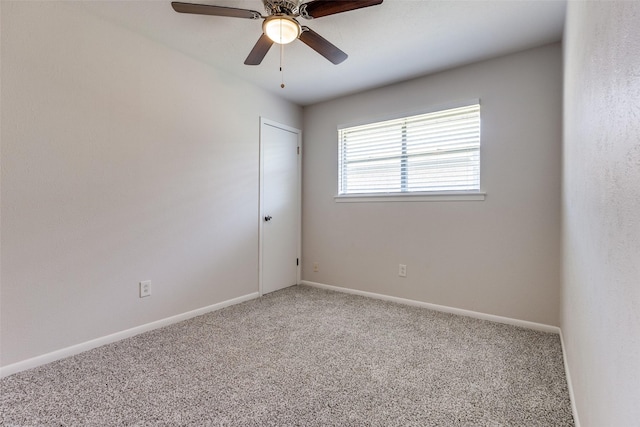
[601, 211]
[122, 161]
[499, 256]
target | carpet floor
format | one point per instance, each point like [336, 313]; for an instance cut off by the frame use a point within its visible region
[304, 357]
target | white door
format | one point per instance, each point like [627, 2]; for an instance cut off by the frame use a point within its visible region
[279, 206]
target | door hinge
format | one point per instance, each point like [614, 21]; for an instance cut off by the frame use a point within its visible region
[297, 261]
[298, 150]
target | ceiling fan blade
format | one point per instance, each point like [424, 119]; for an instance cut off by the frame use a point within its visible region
[321, 45]
[259, 51]
[319, 8]
[205, 9]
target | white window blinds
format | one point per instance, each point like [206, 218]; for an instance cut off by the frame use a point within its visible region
[431, 152]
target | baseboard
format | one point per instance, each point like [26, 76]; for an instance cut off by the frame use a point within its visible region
[567, 371]
[88, 345]
[443, 308]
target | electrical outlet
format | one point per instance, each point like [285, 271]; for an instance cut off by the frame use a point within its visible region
[402, 270]
[316, 267]
[145, 288]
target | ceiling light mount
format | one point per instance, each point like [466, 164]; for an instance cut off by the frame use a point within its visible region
[281, 29]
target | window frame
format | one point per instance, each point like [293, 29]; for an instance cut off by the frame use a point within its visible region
[410, 196]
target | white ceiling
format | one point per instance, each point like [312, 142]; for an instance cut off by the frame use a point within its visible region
[394, 41]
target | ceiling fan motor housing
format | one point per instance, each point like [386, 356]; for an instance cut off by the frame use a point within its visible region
[284, 7]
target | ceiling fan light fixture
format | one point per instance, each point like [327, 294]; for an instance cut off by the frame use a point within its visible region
[281, 29]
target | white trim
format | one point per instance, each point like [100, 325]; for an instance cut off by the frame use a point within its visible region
[442, 308]
[572, 397]
[108, 339]
[411, 197]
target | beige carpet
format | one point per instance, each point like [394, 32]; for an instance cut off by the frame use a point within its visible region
[304, 357]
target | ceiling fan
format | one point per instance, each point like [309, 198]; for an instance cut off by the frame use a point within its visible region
[280, 24]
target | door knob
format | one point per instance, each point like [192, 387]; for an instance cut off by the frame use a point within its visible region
[267, 218]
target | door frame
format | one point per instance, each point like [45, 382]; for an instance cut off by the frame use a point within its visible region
[267, 122]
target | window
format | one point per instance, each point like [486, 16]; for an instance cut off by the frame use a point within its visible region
[426, 153]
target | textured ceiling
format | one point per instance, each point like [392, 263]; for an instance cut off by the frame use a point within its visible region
[395, 41]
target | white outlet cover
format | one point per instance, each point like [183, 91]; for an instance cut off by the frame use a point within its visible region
[145, 288]
[402, 270]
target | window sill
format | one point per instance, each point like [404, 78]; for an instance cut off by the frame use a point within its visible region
[454, 196]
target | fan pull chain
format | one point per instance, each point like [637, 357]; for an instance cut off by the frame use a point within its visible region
[281, 61]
